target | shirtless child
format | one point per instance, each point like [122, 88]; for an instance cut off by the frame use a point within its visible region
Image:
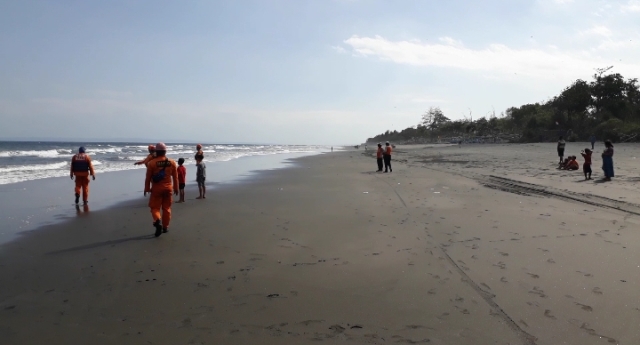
[586, 167]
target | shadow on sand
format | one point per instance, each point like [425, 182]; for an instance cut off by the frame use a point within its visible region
[102, 244]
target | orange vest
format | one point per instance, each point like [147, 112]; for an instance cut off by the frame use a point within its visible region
[379, 153]
[388, 150]
[170, 179]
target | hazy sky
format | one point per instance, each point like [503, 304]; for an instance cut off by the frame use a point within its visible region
[308, 72]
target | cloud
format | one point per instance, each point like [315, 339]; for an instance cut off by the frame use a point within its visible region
[613, 45]
[450, 41]
[339, 49]
[496, 60]
[598, 30]
[631, 6]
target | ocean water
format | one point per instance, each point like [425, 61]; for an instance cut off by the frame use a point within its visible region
[25, 161]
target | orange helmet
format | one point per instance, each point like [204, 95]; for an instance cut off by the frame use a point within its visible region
[161, 147]
[152, 148]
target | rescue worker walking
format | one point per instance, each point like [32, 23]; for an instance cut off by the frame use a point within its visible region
[379, 155]
[81, 168]
[387, 157]
[152, 155]
[161, 180]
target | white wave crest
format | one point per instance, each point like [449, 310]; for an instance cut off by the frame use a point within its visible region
[34, 167]
[40, 153]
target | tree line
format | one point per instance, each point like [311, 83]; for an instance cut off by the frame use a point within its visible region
[607, 107]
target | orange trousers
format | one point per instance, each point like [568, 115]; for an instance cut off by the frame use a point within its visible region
[161, 199]
[82, 182]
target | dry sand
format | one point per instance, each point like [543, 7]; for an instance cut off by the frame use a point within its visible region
[459, 245]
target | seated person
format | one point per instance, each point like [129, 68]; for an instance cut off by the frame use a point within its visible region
[573, 164]
[563, 165]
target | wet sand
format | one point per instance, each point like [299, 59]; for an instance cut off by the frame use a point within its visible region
[49, 201]
[456, 246]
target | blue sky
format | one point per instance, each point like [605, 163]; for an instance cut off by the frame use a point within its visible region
[303, 72]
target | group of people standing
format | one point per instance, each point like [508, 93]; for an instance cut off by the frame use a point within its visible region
[570, 162]
[164, 178]
[384, 155]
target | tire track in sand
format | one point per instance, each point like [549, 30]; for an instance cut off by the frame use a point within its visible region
[527, 339]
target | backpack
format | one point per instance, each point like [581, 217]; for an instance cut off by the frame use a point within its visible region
[161, 174]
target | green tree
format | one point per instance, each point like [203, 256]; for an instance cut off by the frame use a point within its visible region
[434, 118]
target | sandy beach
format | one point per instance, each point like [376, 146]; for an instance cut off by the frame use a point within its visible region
[479, 244]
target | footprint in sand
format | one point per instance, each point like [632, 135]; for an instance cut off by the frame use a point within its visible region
[596, 290]
[585, 274]
[584, 306]
[537, 291]
[417, 327]
[444, 315]
[501, 265]
[464, 311]
[504, 280]
[504, 254]
[410, 341]
[551, 261]
[534, 276]
[309, 322]
[548, 314]
[337, 328]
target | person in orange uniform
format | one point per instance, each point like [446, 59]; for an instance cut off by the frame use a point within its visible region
[81, 168]
[379, 154]
[161, 180]
[152, 155]
[387, 157]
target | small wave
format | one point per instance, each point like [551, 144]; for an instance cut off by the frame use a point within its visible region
[34, 167]
[123, 158]
[39, 153]
[101, 150]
